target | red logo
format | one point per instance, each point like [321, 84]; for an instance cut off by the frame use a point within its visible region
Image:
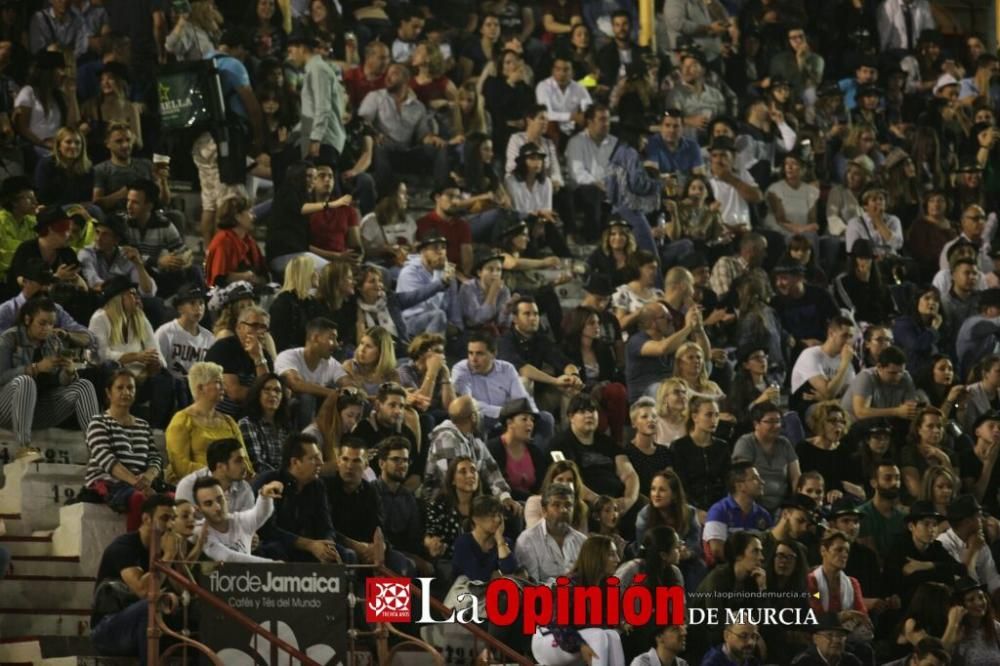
[387, 600]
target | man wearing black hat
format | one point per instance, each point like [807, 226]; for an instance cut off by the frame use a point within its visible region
[108, 257]
[862, 564]
[445, 222]
[805, 310]
[918, 557]
[35, 278]
[322, 100]
[829, 639]
[429, 281]
[184, 341]
[54, 229]
[763, 139]
[735, 193]
[965, 542]
[980, 334]
[865, 73]
[597, 292]
[243, 108]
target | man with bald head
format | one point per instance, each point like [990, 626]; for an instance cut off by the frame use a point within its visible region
[649, 353]
[458, 437]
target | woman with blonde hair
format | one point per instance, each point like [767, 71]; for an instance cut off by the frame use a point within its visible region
[429, 83]
[374, 362]
[613, 256]
[672, 408]
[125, 338]
[567, 473]
[469, 114]
[860, 141]
[195, 33]
[295, 305]
[940, 486]
[689, 365]
[67, 175]
[825, 452]
[195, 427]
[233, 254]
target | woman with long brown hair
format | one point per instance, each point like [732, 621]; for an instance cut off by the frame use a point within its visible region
[337, 417]
[668, 506]
[613, 254]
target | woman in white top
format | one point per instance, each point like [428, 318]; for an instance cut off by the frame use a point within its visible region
[883, 230]
[630, 298]
[47, 103]
[387, 233]
[530, 191]
[125, 338]
[791, 202]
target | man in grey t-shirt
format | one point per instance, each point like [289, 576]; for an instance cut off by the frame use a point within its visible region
[113, 176]
[885, 391]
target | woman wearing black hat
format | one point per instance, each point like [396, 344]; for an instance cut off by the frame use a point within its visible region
[125, 337]
[860, 288]
[611, 257]
[484, 299]
[531, 196]
[979, 633]
[17, 217]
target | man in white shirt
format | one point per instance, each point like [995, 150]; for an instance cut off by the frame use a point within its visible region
[311, 371]
[229, 536]
[588, 154]
[965, 542]
[565, 99]
[183, 341]
[825, 370]
[734, 192]
[977, 229]
[550, 548]
[227, 463]
[411, 22]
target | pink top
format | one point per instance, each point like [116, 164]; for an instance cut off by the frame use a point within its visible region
[520, 473]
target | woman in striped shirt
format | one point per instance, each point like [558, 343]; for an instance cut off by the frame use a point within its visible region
[124, 460]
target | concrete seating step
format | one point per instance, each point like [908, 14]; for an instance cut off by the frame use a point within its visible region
[44, 621]
[84, 531]
[27, 592]
[57, 445]
[47, 565]
[27, 545]
[20, 651]
[45, 488]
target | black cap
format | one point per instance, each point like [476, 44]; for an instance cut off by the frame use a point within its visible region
[115, 285]
[967, 584]
[116, 69]
[46, 59]
[923, 509]
[722, 143]
[872, 191]
[827, 622]
[530, 149]
[830, 89]
[989, 298]
[799, 501]
[301, 37]
[517, 406]
[598, 285]
[15, 185]
[37, 271]
[189, 292]
[968, 164]
[430, 237]
[788, 267]
[514, 227]
[929, 36]
[984, 417]
[964, 506]
[484, 256]
[778, 82]
[116, 224]
[862, 248]
[876, 426]
[869, 91]
[234, 37]
[980, 127]
[237, 292]
[49, 216]
[845, 506]
[619, 222]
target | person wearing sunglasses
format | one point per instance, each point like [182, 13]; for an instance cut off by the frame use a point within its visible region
[243, 358]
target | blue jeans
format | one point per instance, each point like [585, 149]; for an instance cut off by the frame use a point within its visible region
[430, 321]
[124, 633]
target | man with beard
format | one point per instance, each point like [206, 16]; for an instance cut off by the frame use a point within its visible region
[793, 523]
[230, 535]
[604, 467]
[406, 140]
[445, 222]
[300, 529]
[614, 57]
[459, 436]
[739, 647]
[671, 641]
[550, 548]
[429, 280]
[402, 520]
[225, 462]
[882, 521]
[918, 557]
[357, 513]
[883, 392]
[386, 420]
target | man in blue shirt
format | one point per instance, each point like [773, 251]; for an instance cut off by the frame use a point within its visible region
[865, 74]
[736, 512]
[670, 150]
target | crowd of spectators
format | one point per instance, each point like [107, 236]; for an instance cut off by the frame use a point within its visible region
[783, 375]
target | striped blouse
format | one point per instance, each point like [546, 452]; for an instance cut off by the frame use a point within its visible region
[110, 442]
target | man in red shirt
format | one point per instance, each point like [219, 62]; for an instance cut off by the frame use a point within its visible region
[455, 229]
[370, 76]
[334, 233]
